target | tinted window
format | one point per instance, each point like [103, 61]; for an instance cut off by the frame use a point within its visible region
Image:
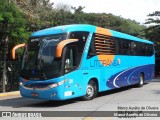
[70, 59]
[134, 48]
[102, 45]
[92, 50]
[82, 38]
[107, 45]
[124, 47]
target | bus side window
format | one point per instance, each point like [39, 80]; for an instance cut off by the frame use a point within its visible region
[92, 50]
[143, 49]
[149, 50]
[82, 38]
[133, 48]
[125, 47]
[70, 59]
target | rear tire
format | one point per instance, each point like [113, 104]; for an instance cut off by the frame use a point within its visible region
[141, 80]
[91, 91]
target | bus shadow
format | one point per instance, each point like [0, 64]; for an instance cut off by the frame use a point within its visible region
[156, 80]
[54, 103]
[36, 103]
[156, 91]
[114, 91]
[30, 102]
[12, 102]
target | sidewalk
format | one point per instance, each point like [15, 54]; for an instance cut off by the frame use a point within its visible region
[15, 93]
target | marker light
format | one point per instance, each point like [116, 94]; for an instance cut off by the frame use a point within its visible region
[57, 84]
[20, 83]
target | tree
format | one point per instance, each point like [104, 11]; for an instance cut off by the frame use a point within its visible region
[13, 29]
[78, 10]
[37, 13]
[152, 32]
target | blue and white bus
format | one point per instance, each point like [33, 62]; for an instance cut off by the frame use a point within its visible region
[81, 60]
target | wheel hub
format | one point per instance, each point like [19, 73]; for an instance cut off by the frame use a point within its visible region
[90, 90]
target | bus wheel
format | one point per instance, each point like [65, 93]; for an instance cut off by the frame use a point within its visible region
[141, 80]
[91, 91]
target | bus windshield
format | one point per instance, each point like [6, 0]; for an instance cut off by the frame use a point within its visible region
[39, 61]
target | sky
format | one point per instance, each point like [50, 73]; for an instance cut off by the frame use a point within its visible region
[133, 9]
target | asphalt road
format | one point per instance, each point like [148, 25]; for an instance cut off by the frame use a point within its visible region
[147, 97]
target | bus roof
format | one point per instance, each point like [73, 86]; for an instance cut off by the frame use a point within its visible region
[64, 29]
[84, 27]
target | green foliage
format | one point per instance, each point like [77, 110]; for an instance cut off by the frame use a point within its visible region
[78, 10]
[109, 21]
[12, 25]
[43, 16]
[152, 32]
[25, 16]
[39, 14]
[99, 19]
[11, 16]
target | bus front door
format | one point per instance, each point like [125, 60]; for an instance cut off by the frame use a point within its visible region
[73, 88]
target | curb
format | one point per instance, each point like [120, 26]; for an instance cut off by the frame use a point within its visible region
[15, 93]
[158, 78]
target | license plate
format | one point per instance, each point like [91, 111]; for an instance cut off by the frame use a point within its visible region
[34, 94]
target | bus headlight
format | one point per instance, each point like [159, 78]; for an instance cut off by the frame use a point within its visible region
[20, 83]
[57, 84]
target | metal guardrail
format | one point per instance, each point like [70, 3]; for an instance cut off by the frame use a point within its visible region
[13, 71]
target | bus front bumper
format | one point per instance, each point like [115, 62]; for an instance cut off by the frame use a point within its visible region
[48, 94]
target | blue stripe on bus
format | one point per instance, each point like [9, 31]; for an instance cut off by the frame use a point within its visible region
[130, 76]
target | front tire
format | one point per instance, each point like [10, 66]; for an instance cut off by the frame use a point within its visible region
[91, 91]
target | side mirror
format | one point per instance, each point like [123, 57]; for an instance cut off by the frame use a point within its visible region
[61, 45]
[14, 50]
